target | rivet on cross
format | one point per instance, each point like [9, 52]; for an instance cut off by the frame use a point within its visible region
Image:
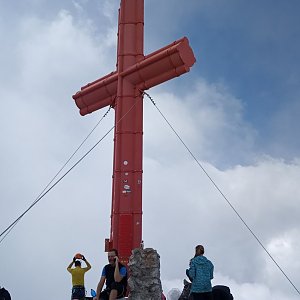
[122, 89]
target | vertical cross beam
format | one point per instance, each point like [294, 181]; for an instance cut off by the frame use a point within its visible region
[126, 214]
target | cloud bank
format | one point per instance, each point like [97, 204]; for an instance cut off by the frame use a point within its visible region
[44, 62]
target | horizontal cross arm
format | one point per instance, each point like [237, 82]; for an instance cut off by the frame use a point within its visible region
[97, 94]
[157, 67]
[162, 65]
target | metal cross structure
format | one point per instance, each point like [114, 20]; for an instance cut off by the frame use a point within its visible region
[123, 89]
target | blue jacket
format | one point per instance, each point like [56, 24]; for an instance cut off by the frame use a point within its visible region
[201, 272]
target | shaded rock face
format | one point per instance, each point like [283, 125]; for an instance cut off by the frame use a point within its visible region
[144, 275]
[186, 290]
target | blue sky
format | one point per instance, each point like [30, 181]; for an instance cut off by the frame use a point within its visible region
[253, 48]
[237, 109]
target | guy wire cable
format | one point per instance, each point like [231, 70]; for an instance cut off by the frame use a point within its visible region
[9, 228]
[222, 194]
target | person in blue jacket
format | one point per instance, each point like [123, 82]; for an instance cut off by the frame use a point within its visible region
[201, 273]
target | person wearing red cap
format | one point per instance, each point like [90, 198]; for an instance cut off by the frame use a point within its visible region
[78, 289]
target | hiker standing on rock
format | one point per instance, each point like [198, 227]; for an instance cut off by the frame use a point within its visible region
[114, 275]
[78, 289]
[201, 273]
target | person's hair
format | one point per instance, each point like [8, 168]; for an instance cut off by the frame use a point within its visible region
[77, 263]
[199, 250]
[114, 250]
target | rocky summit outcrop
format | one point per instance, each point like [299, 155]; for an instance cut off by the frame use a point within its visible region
[144, 271]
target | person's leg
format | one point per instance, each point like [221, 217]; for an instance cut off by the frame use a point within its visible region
[82, 293]
[207, 296]
[104, 295]
[75, 295]
[113, 295]
[78, 293]
[201, 296]
[119, 290]
[195, 296]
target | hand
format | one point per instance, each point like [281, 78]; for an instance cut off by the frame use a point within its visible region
[74, 259]
[83, 258]
[116, 259]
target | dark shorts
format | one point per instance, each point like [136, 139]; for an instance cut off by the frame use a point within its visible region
[201, 296]
[78, 292]
[104, 295]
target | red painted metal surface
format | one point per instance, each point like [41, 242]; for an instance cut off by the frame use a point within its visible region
[160, 66]
[122, 89]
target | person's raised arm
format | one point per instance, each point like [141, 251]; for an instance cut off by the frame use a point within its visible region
[88, 265]
[117, 275]
[71, 264]
[100, 287]
[192, 271]
[212, 271]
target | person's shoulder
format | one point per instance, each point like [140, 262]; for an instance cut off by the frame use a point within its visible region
[199, 258]
[209, 261]
[106, 267]
[206, 259]
[194, 261]
[211, 264]
[123, 270]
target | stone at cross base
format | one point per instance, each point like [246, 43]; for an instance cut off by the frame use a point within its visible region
[144, 271]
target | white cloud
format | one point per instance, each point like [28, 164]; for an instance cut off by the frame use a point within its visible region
[182, 209]
[40, 126]
[210, 120]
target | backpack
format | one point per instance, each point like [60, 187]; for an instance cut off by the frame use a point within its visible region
[4, 294]
[221, 292]
[186, 290]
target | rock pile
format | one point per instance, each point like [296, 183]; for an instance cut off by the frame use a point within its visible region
[144, 271]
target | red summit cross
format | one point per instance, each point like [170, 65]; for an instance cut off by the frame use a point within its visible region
[123, 90]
